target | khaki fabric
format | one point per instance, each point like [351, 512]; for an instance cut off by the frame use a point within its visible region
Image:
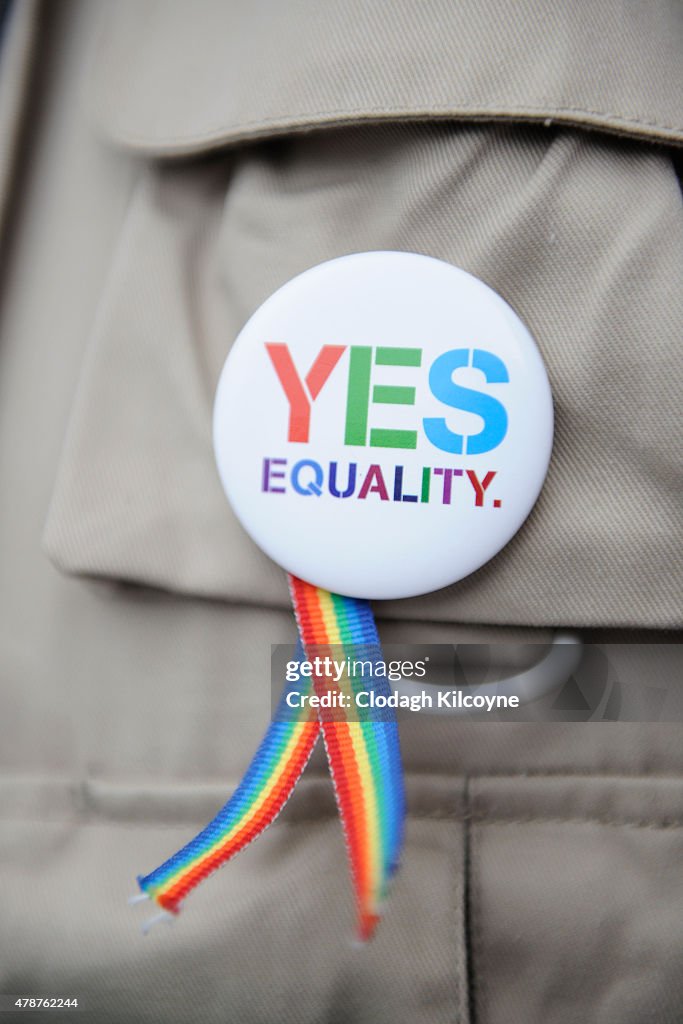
[541, 879]
[198, 76]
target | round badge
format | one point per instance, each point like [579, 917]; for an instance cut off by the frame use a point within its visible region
[383, 425]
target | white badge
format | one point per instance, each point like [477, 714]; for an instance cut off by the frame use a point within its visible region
[383, 425]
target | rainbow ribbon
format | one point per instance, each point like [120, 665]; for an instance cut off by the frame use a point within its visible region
[363, 752]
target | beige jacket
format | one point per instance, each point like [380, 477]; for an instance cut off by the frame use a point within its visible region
[165, 166]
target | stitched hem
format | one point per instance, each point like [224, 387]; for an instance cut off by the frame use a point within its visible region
[225, 135]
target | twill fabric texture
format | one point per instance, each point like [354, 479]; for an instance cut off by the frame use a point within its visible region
[166, 166]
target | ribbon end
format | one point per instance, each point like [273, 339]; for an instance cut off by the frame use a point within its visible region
[138, 897]
[147, 925]
[367, 926]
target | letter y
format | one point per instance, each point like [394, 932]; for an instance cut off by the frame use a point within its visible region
[299, 404]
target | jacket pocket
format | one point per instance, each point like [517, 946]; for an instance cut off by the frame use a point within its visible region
[576, 899]
[580, 232]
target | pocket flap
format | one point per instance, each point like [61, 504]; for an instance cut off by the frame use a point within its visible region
[174, 78]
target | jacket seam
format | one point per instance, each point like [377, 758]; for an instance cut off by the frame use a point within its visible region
[471, 819]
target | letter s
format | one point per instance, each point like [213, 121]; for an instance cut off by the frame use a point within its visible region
[447, 391]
